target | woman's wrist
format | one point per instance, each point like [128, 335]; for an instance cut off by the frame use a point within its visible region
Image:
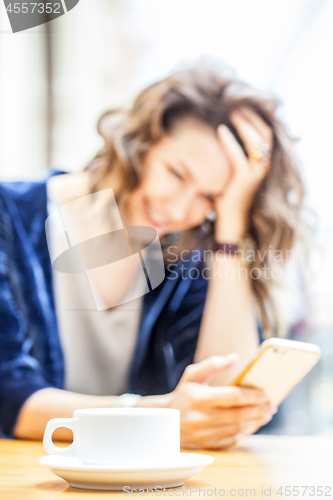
[230, 232]
[230, 225]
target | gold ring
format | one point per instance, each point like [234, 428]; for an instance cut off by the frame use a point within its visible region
[260, 154]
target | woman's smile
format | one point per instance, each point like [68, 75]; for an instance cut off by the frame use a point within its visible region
[153, 216]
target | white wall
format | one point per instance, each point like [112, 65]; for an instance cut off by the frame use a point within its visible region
[22, 101]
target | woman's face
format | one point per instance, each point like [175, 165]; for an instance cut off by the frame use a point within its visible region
[182, 175]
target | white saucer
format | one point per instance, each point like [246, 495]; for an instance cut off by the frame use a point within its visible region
[169, 473]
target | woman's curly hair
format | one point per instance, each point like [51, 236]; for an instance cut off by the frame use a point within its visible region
[203, 93]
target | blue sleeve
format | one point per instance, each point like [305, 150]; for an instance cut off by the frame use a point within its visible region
[174, 336]
[183, 334]
[20, 374]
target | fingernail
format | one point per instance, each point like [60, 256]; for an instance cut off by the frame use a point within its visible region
[267, 418]
[222, 360]
[223, 129]
[274, 409]
[233, 356]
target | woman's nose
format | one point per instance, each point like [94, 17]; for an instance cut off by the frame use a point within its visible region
[179, 207]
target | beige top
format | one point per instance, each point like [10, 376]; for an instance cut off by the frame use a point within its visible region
[98, 346]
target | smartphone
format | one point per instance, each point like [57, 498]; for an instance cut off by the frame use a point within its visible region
[279, 366]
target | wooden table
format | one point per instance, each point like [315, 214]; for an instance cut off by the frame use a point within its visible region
[256, 468]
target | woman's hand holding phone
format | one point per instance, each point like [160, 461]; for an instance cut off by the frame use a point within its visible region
[212, 417]
[247, 173]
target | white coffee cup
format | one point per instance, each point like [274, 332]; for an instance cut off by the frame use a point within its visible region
[118, 435]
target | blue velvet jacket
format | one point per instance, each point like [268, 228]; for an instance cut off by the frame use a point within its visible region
[31, 356]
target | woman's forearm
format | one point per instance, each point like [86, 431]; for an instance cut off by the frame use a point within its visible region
[49, 403]
[228, 323]
[229, 319]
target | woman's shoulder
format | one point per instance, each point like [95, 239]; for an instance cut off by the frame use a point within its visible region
[25, 193]
[23, 199]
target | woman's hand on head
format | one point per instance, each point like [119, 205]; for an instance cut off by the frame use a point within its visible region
[232, 208]
[213, 417]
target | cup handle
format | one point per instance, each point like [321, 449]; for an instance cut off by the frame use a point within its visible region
[51, 426]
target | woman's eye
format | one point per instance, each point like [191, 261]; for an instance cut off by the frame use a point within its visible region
[175, 173]
[209, 198]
